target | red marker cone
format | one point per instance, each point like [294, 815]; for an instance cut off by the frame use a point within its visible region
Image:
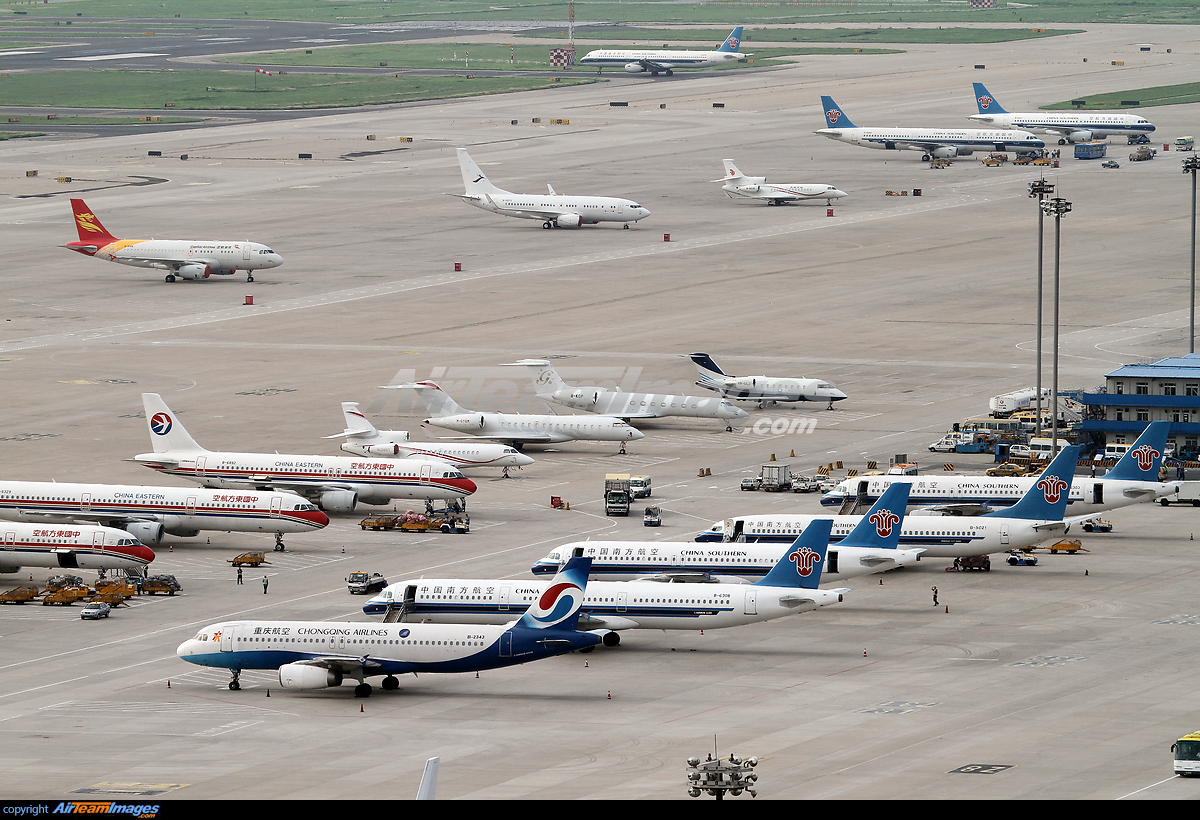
[864, 653]
[947, 609]
[610, 694]
[168, 683]
[361, 709]
[585, 666]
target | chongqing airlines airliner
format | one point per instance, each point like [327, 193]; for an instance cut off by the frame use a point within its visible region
[185, 258]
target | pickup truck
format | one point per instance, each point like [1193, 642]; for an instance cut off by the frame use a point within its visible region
[363, 583]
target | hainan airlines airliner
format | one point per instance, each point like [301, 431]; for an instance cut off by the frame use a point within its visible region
[186, 258]
[553, 209]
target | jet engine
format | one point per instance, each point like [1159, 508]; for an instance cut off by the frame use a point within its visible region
[193, 271]
[963, 151]
[304, 676]
[1080, 136]
[149, 533]
[749, 189]
[569, 221]
[635, 68]
[946, 152]
[338, 501]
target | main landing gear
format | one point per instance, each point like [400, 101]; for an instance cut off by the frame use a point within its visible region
[170, 277]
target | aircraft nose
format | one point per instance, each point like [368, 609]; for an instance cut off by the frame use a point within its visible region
[138, 552]
[521, 460]
[635, 434]
[837, 395]
[465, 484]
[315, 516]
[184, 649]
[276, 260]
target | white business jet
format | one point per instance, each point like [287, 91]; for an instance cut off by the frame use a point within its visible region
[775, 193]
[553, 209]
[766, 390]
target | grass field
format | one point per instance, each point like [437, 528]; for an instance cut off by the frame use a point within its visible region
[723, 12]
[888, 34]
[235, 90]
[1140, 98]
[42, 119]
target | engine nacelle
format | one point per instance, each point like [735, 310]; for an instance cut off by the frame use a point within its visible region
[149, 533]
[965, 152]
[192, 272]
[569, 221]
[635, 68]
[338, 501]
[749, 189]
[304, 676]
[946, 152]
[1080, 136]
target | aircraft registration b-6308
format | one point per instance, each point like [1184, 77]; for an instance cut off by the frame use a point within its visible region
[1075, 126]
[68, 546]
[553, 209]
[934, 143]
[336, 483]
[641, 60]
[188, 258]
[775, 193]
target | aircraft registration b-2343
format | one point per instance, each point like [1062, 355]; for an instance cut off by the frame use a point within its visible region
[553, 209]
[186, 258]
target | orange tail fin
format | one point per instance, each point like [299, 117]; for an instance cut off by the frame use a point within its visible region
[89, 227]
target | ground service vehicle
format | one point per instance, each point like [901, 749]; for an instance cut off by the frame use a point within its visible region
[1185, 144]
[652, 517]
[774, 478]
[363, 583]
[1097, 525]
[1188, 493]
[1090, 150]
[639, 486]
[160, 583]
[616, 494]
[970, 562]
[1142, 154]
[1007, 468]
[1069, 545]
[751, 483]
[1139, 139]
[250, 559]
[1187, 755]
[95, 611]
[1022, 559]
[805, 484]
[19, 595]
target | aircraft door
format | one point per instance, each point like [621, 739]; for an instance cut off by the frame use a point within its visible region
[506, 645]
[246, 252]
[736, 534]
[276, 505]
[831, 562]
[98, 539]
[200, 461]
[502, 598]
[10, 540]
[426, 473]
[622, 601]
[228, 636]
[191, 505]
[1097, 493]
[751, 602]
[1003, 534]
[85, 502]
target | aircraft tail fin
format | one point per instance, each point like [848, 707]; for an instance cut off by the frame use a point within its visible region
[545, 378]
[986, 102]
[558, 607]
[880, 527]
[731, 170]
[89, 227]
[733, 41]
[167, 433]
[711, 376]
[834, 116]
[435, 400]
[475, 181]
[1047, 499]
[801, 565]
[357, 425]
[1144, 459]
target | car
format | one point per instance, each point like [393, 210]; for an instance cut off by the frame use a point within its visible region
[1112, 163]
[1007, 468]
[826, 483]
[751, 483]
[95, 611]
[805, 484]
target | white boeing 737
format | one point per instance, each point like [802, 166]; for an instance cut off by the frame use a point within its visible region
[70, 547]
[553, 209]
[766, 390]
[934, 143]
[362, 438]
[775, 193]
[336, 483]
[148, 513]
[1069, 126]
[186, 258]
[641, 60]
[518, 428]
[548, 385]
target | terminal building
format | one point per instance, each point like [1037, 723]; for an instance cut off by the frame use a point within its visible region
[1137, 394]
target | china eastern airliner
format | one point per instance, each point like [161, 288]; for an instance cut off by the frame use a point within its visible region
[186, 258]
[70, 546]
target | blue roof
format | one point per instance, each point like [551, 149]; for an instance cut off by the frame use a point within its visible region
[1180, 367]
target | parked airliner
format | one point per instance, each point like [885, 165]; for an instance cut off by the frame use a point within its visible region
[1073, 126]
[82, 546]
[1032, 520]
[763, 389]
[518, 428]
[318, 654]
[640, 60]
[610, 606]
[775, 193]
[932, 142]
[362, 438]
[148, 513]
[336, 483]
[186, 258]
[553, 209]
[869, 547]
[1133, 479]
[548, 385]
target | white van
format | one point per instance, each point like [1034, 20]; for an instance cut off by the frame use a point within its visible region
[639, 486]
[1185, 144]
[1042, 449]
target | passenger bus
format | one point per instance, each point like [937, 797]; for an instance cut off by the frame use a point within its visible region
[1187, 755]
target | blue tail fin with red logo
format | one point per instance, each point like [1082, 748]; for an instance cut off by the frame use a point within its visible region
[558, 607]
[801, 565]
[986, 102]
[834, 116]
[1144, 459]
[1047, 499]
[880, 527]
[732, 41]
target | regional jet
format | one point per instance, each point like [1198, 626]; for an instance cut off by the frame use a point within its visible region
[934, 143]
[186, 258]
[1072, 126]
[775, 193]
[335, 483]
[553, 209]
[766, 390]
[639, 61]
[550, 386]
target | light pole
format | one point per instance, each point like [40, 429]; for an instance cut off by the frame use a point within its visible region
[1057, 208]
[1040, 189]
[1190, 166]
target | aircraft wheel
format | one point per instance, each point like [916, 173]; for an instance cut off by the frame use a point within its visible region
[924, 157]
[170, 277]
[390, 683]
[625, 226]
[546, 224]
[1062, 142]
[363, 690]
[234, 686]
[249, 277]
[669, 73]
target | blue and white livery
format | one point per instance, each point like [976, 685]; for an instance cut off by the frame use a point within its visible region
[319, 654]
[654, 61]
[1069, 126]
[934, 143]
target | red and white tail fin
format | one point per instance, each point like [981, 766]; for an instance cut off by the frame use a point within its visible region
[89, 227]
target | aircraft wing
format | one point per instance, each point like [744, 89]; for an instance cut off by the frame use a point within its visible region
[959, 509]
[654, 65]
[532, 438]
[346, 664]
